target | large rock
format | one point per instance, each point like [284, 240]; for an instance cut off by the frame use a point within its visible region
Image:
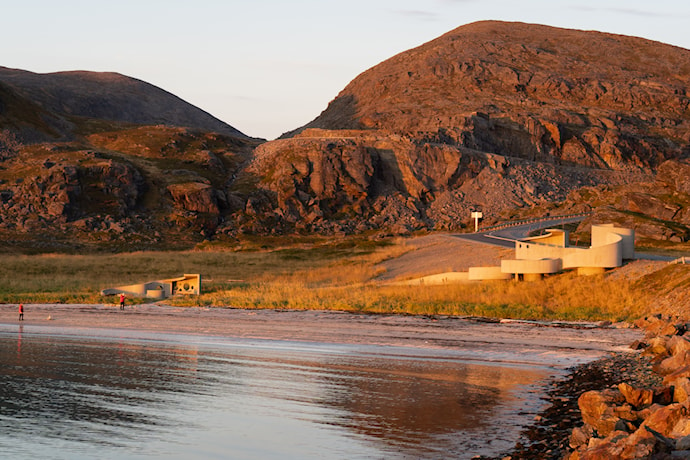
[195, 196]
[673, 363]
[681, 372]
[639, 398]
[663, 420]
[598, 409]
[681, 390]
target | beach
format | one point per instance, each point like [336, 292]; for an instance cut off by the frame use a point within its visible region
[554, 344]
[505, 355]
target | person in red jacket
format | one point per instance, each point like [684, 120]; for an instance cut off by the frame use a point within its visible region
[21, 312]
[122, 301]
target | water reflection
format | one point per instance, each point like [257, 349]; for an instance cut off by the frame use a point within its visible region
[90, 391]
[129, 398]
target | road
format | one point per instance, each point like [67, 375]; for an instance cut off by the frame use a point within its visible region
[507, 236]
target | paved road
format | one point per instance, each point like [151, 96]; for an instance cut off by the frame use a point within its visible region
[507, 236]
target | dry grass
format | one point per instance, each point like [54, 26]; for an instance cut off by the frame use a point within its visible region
[564, 297]
[320, 274]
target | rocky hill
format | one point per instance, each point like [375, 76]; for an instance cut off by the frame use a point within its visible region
[90, 160]
[106, 96]
[513, 119]
[500, 116]
[534, 92]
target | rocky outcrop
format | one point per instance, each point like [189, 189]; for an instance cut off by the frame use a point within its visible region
[357, 180]
[60, 193]
[195, 197]
[501, 117]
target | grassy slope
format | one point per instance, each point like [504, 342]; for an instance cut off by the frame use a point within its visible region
[332, 274]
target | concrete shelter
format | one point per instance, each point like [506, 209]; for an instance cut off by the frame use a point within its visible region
[160, 289]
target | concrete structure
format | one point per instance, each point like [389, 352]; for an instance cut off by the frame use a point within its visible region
[435, 280]
[487, 273]
[160, 289]
[550, 253]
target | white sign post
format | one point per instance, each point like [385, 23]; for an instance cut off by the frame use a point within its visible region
[476, 215]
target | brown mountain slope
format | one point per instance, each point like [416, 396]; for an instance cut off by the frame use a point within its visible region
[499, 116]
[530, 91]
[93, 160]
[110, 96]
[514, 119]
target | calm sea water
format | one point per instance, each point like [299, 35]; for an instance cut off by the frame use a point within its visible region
[139, 396]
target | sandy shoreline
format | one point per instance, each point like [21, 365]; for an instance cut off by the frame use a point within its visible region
[558, 347]
[550, 351]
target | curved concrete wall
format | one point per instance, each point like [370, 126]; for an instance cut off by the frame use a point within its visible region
[552, 236]
[550, 253]
[487, 273]
[607, 256]
[535, 251]
[601, 235]
[526, 266]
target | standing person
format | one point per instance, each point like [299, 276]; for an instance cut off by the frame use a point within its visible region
[122, 301]
[21, 312]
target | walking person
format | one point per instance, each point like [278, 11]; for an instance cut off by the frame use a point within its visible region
[21, 312]
[122, 301]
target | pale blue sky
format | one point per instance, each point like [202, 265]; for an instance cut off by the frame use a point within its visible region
[269, 66]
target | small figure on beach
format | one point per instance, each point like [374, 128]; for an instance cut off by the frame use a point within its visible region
[122, 301]
[21, 312]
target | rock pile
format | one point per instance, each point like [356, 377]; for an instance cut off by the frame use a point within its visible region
[633, 421]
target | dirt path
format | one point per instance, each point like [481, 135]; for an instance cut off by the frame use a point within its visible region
[442, 253]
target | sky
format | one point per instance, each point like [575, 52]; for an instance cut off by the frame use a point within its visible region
[269, 66]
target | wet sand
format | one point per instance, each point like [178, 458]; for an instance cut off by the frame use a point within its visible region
[513, 341]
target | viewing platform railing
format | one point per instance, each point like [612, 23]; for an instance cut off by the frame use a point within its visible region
[535, 220]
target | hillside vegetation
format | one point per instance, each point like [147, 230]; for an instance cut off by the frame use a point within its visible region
[345, 275]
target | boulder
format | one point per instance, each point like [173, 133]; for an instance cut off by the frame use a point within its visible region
[636, 397]
[673, 363]
[677, 344]
[678, 373]
[657, 346]
[616, 446]
[597, 408]
[638, 345]
[681, 390]
[663, 419]
[641, 445]
[580, 436]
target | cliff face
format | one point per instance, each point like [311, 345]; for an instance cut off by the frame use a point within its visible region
[509, 118]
